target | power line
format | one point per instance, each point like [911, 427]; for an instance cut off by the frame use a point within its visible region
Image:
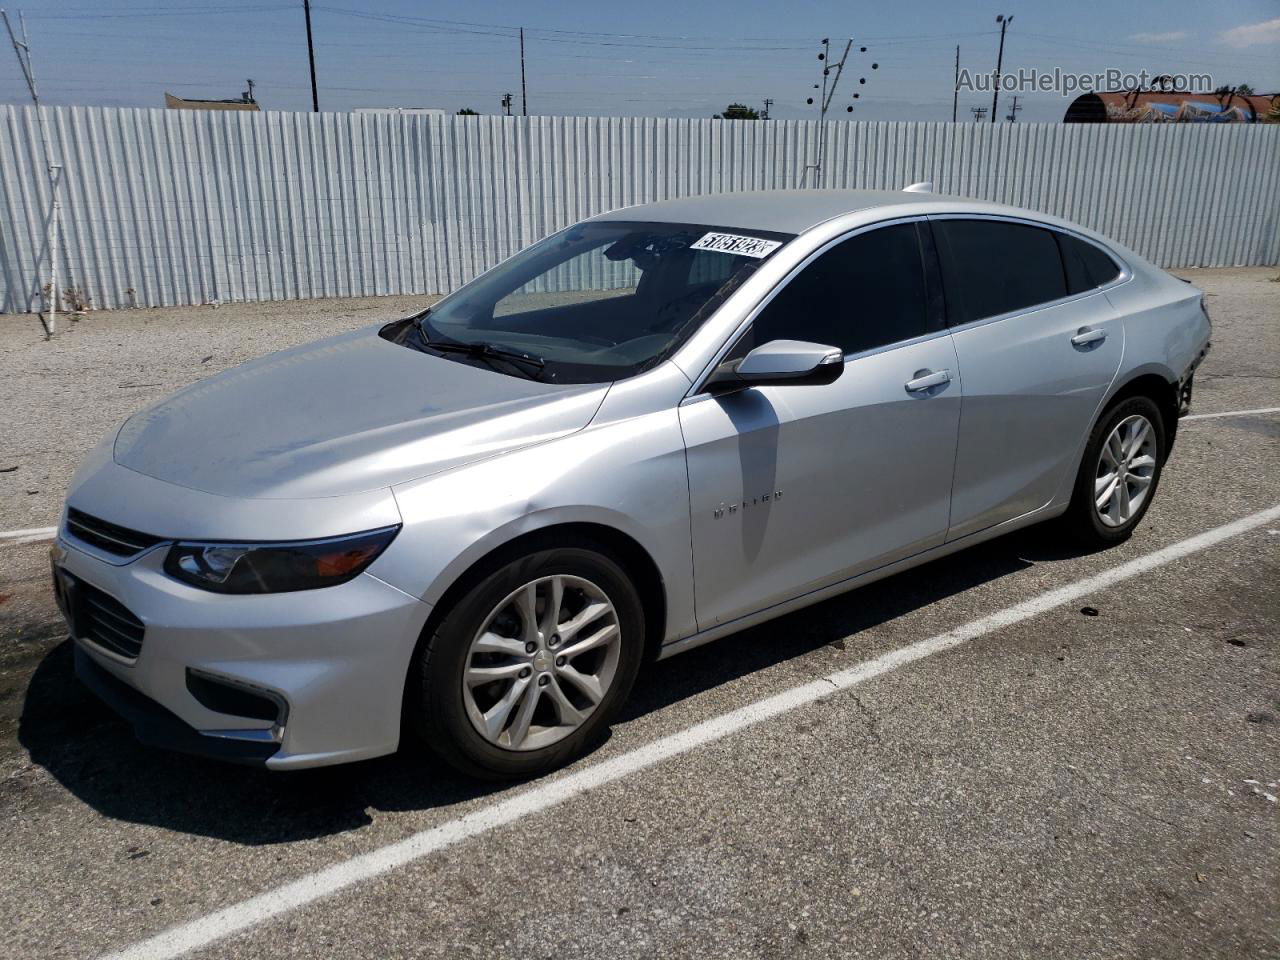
[587, 38]
[169, 12]
[1152, 50]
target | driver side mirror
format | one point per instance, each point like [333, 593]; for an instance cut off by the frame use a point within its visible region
[779, 362]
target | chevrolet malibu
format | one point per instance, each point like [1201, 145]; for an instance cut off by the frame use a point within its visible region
[652, 429]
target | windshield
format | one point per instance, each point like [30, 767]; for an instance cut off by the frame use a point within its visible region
[599, 301]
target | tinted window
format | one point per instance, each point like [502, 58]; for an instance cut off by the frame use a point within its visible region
[990, 267]
[1087, 266]
[866, 292]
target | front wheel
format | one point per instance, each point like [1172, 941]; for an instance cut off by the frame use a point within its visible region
[1119, 474]
[530, 665]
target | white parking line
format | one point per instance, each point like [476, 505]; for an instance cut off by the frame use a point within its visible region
[1231, 413]
[213, 927]
[34, 535]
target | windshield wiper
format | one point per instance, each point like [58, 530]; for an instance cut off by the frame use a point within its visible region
[488, 352]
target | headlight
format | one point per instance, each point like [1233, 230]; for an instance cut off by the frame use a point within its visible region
[276, 567]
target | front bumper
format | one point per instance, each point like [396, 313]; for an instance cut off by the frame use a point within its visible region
[155, 726]
[335, 659]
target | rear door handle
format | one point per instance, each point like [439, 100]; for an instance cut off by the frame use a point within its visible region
[925, 380]
[1088, 335]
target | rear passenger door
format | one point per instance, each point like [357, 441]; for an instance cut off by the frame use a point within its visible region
[1038, 345]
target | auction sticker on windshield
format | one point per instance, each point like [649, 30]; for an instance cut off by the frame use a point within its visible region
[737, 245]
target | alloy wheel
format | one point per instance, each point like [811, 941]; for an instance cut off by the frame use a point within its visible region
[1126, 470]
[541, 663]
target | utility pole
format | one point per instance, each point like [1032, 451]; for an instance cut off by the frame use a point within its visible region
[768, 102]
[1013, 111]
[955, 90]
[22, 50]
[524, 91]
[311, 55]
[827, 94]
[506, 103]
[824, 101]
[978, 113]
[995, 95]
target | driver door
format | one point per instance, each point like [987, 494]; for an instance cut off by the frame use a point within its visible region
[795, 487]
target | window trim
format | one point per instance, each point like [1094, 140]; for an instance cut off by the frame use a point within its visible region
[930, 274]
[1124, 276]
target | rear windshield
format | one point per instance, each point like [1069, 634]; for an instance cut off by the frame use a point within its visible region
[599, 301]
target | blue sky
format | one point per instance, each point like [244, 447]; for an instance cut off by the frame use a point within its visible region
[661, 58]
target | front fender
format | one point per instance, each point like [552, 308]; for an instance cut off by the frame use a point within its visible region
[627, 475]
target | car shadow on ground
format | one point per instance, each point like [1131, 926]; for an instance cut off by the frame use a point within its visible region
[92, 753]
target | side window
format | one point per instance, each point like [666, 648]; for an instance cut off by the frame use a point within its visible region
[1087, 266]
[866, 292]
[990, 267]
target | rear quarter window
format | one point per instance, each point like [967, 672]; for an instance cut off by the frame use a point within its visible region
[1087, 266]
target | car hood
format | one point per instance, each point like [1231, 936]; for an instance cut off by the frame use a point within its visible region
[343, 415]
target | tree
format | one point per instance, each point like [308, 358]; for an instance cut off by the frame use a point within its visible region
[1239, 90]
[738, 111]
[468, 112]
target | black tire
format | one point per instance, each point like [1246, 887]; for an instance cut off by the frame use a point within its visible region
[437, 713]
[1082, 522]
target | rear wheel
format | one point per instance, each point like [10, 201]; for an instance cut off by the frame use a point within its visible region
[1119, 473]
[530, 665]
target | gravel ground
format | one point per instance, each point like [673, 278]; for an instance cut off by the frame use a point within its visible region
[61, 395]
[1070, 786]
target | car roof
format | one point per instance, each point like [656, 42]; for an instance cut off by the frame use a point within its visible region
[795, 211]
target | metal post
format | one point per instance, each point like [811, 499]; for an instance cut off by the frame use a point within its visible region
[955, 90]
[524, 93]
[822, 113]
[995, 94]
[311, 56]
[22, 49]
[828, 96]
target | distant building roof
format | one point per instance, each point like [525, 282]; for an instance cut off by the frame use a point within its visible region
[1153, 106]
[178, 103]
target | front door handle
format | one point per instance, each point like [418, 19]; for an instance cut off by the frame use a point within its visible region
[1087, 335]
[925, 380]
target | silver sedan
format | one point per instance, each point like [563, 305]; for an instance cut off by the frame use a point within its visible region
[647, 431]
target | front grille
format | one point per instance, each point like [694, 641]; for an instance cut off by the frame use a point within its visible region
[105, 621]
[116, 540]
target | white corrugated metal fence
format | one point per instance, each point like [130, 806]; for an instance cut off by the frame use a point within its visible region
[176, 207]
